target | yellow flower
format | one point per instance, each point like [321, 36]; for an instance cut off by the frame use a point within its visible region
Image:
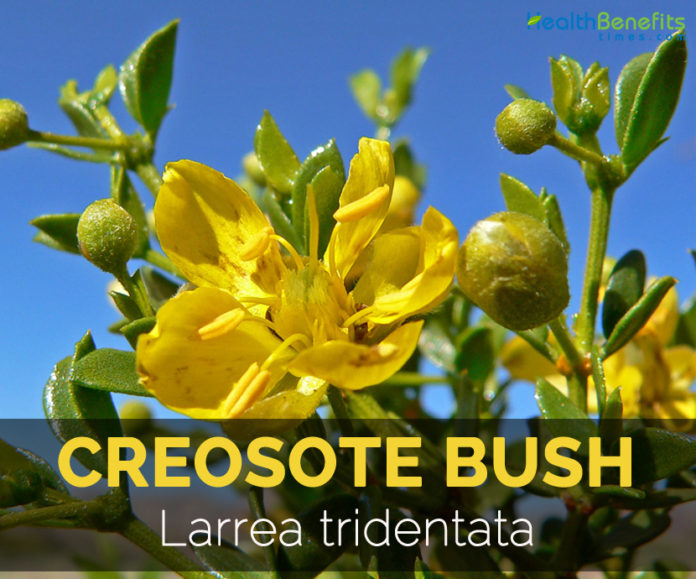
[266, 330]
[655, 379]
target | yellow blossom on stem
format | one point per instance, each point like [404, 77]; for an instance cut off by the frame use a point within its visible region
[655, 378]
[266, 330]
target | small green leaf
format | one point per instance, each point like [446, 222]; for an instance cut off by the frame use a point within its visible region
[646, 97]
[76, 411]
[436, 346]
[23, 476]
[104, 87]
[126, 196]
[406, 165]
[58, 231]
[110, 370]
[520, 198]
[228, 561]
[146, 77]
[475, 354]
[366, 88]
[77, 107]
[533, 20]
[314, 554]
[562, 417]
[405, 71]
[327, 190]
[634, 530]
[125, 304]
[554, 218]
[638, 315]
[516, 92]
[610, 422]
[159, 287]
[686, 328]
[275, 155]
[133, 329]
[625, 287]
[280, 220]
[565, 86]
[658, 454]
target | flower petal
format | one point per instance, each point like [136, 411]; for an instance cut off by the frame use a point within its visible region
[205, 221]
[411, 269]
[354, 366]
[190, 363]
[370, 170]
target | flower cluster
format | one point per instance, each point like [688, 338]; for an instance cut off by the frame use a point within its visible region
[264, 330]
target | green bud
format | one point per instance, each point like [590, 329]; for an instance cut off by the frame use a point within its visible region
[107, 235]
[136, 418]
[525, 125]
[14, 124]
[515, 269]
[253, 169]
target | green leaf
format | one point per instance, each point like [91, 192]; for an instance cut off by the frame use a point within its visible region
[646, 96]
[405, 71]
[625, 287]
[326, 161]
[475, 354]
[520, 198]
[516, 92]
[146, 77]
[406, 165]
[125, 304]
[313, 555]
[638, 315]
[658, 454]
[280, 220]
[554, 218]
[126, 196]
[76, 411]
[610, 422]
[565, 82]
[275, 155]
[133, 329]
[227, 560]
[23, 476]
[634, 530]
[159, 287]
[686, 328]
[104, 87]
[435, 345]
[77, 107]
[109, 370]
[533, 20]
[562, 417]
[58, 231]
[366, 88]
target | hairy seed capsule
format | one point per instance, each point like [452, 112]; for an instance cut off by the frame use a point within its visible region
[525, 125]
[515, 269]
[107, 235]
[14, 124]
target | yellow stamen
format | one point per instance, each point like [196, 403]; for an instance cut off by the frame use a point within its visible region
[239, 388]
[357, 316]
[251, 394]
[313, 224]
[291, 250]
[287, 343]
[223, 324]
[256, 245]
[363, 206]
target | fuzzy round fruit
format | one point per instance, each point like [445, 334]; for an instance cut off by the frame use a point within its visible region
[525, 125]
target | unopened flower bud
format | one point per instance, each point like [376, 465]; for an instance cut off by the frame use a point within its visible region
[525, 125]
[136, 418]
[253, 169]
[515, 269]
[14, 124]
[107, 235]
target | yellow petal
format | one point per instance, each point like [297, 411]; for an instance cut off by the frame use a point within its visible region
[405, 198]
[682, 366]
[278, 412]
[206, 223]
[354, 366]
[411, 269]
[371, 170]
[193, 373]
[524, 363]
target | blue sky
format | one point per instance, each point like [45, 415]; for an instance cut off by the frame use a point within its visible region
[235, 59]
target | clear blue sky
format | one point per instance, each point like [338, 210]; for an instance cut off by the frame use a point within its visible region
[235, 59]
